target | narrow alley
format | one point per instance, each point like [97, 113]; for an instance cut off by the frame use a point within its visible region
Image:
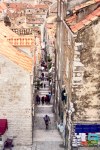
[46, 139]
[50, 75]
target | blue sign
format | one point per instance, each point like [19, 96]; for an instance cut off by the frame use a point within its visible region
[87, 128]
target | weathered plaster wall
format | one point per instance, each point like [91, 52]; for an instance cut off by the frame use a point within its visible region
[16, 101]
[72, 3]
[68, 55]
[88, 96]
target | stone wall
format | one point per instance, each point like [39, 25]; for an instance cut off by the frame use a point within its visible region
[16, 101]
[87, 98]
[68, 60]
[72, 3]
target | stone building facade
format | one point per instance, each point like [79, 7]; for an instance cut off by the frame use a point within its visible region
[77, 92]
[16, 101]
[16, 88]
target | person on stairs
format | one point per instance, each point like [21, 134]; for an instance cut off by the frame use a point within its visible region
[37, 99]
[47, 121]
[49, 94]
[42, 76]
[42, 100]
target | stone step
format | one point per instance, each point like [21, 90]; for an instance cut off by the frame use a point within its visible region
[44, 89]
[43, 94]
[48, 145]
[44, 109]
[51, 102]
[46, 135]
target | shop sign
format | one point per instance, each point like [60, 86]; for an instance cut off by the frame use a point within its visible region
[86, 135]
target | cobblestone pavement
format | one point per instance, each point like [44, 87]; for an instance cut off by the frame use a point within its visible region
[46, 139]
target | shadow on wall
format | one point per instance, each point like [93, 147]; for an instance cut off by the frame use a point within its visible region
[72, 3]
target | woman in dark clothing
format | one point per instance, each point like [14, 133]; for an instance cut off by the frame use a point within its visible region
[37, 99]
[42, 76]
[42, 100]
[46, 100]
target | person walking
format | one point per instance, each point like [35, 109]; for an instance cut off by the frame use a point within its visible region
[47, 100]
[41, 85]
[44, 85]
[49, 96]
[42, 100]
[42, 76]
[37, 99]
[47, 121]
[8, 144]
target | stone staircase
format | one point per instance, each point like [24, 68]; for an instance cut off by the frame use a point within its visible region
[45, 139]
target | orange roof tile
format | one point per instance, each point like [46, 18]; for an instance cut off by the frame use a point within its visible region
[86, 22]
[36, 22]
[88, 19]
[79, 25]
[70, 19]
[17, 6]
[96, 12]
[40, 6]
[7, 50]
[0, 9]
[5, 31]
[22, 41]
[97, 0]
[3, 6]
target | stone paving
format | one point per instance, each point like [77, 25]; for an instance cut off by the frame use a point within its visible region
[46, 139]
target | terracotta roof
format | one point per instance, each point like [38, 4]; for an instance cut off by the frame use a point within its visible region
[6, 31]
[21, 59]
[86, 21]
[71, 19]
[22, 41]
[35, 22]
[0, 10]
[17, 6]
[88, 3]
[50, 25]
[40, 6]
[3, 6]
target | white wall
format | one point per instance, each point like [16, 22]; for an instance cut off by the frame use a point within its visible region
[16, 101]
